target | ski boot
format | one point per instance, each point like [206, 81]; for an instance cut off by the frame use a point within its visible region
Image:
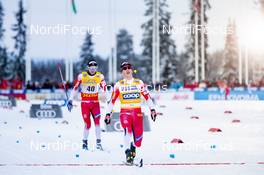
[85, 145]
[133, 150]
[99, 145]
[129, 157]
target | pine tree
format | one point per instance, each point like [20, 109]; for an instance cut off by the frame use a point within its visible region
[125, 50]
[168, 53]
[188, 58]
[20, 42]
[4, 59]
[230, 53]
[2, 30]
[86, 51]
[3, 63]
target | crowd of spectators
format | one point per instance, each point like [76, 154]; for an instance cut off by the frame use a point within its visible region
[30, 85]
[47, 84]
[16, 83]
[218, 84]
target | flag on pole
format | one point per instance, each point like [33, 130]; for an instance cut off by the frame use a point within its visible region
[74, 9]
[196, 5]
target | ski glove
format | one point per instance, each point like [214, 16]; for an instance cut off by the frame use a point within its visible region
[69, 105]
[153, 114]
[107, 119]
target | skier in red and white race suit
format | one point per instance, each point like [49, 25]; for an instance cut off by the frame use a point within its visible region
[90, 82]
[129, 91]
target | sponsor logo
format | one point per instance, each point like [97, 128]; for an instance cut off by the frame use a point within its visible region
[55, 102]
[181, 97]
[45, 106]
[128, 88]
[5, 103]
[234, 97]
[4, 97]
[117, 126]
[131, 96]
[45, 113]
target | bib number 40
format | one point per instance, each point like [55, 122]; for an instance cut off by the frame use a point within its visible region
[91, 88]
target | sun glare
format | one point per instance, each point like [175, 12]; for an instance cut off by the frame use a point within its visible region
[251, 33]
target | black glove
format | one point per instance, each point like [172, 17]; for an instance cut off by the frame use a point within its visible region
[69, 105]
[153, 114]
[107, 119]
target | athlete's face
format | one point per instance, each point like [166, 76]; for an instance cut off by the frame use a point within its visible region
[92, 69]
[127, 71]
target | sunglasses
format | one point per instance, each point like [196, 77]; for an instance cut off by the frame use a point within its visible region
[92, 68]
[126, 67]
[92, 64]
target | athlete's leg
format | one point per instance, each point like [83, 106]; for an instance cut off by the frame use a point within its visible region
[126, 123]
[96, 117]
[86, 119]
[137, 127]
[87, 123]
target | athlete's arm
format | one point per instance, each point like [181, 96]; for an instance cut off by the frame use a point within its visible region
[76, 86]
[103, 83]
[113, 99]
[144, 92]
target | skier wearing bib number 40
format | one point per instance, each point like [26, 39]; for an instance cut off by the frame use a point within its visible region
[129, 90]
[89, 82]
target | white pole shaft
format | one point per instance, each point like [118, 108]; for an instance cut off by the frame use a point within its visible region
[240, 76]
[70, 57]
[114, 64]
[246, 65]
[196, 54]
[110, 60]
[28, 53]
[67, 45]
[66, 69]
[110, 66]
[114, 43]
[202, 41]
[71, 70]
[158, 42]
[154, 42]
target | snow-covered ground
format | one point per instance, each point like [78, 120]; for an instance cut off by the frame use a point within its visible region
[49, 146]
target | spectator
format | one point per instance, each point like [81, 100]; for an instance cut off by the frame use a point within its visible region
[3, 84]
[31, 86]
[47, 84]
[16, 83]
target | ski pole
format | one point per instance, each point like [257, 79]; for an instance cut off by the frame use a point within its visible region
[63, 82]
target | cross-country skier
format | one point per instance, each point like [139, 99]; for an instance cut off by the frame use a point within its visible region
[90, 82]
[129, 90]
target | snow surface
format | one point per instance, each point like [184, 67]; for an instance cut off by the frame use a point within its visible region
[30, 146]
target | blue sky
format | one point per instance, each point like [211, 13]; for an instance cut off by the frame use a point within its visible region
[97, 15]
